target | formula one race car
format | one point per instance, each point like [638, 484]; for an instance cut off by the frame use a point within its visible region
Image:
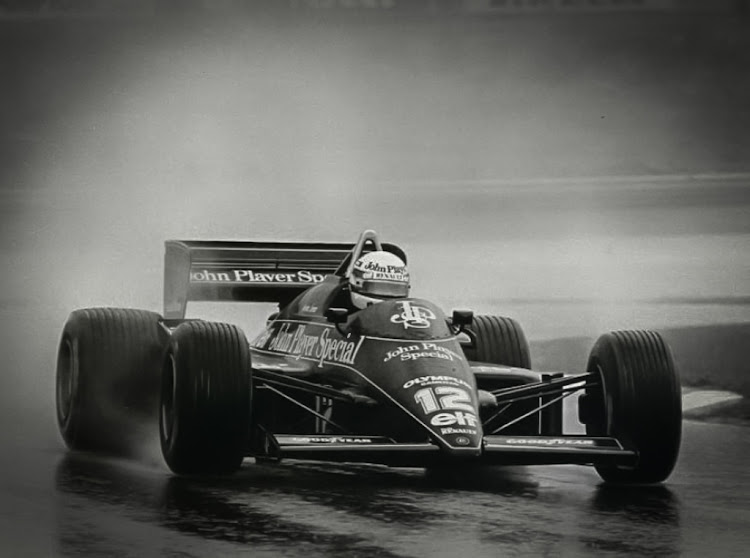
[396, 382]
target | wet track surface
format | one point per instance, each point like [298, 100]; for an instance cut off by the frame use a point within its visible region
[61, 504]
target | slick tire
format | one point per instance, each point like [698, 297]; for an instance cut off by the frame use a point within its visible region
[107, 382]
[638, 401]
[501, 340]
[204, 412]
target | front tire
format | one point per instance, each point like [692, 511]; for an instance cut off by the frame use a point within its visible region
[107, 377]
[638, 401]
[204, 416]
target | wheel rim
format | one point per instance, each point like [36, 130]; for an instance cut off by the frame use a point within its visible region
[66, 380]
[168, 396]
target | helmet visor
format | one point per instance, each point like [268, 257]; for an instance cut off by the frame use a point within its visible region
[384, 289]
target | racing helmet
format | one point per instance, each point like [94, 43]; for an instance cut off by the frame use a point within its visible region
[378, 276]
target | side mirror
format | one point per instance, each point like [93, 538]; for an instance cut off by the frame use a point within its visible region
[337, 315]
[462, 318]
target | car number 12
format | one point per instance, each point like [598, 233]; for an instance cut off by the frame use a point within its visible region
[444, 398]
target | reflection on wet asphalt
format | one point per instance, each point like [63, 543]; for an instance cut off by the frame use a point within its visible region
[314, 509]
[642, 509]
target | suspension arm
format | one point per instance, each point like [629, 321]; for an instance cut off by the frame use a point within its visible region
[507, 395]
[268, 377]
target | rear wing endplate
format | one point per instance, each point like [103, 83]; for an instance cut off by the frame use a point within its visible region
[218, 270]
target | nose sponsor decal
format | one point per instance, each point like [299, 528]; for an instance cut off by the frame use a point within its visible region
[413, 316]
[449, 409]
[421, 350]
[454, 418]
[435, 380]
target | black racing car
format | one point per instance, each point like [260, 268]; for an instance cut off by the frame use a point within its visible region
[397, 383]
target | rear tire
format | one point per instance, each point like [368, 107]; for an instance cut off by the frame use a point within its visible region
[501, 341]
[108, 377]
[639, 403]
[204, 417]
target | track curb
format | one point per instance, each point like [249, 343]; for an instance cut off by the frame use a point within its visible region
[698, 403]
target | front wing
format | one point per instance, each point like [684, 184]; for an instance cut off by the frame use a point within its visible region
[496, 450]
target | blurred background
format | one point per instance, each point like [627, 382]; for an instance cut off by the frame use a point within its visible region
[578, 165]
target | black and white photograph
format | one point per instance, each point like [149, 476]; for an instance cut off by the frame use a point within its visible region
[374, 278]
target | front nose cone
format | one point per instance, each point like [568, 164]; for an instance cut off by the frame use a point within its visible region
[458, 432]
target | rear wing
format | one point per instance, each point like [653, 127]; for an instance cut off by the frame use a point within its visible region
[219, 270]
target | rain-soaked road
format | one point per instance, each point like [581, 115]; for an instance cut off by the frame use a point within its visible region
[58, 504]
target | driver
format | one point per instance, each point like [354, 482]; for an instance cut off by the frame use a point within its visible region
[378, 276]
